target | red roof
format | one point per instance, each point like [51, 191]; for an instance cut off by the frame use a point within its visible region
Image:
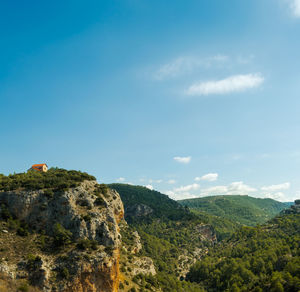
[39, 165]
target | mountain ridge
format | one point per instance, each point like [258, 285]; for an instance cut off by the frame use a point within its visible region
[244, 210]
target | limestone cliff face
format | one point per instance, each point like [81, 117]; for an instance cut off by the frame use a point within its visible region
[88, 214]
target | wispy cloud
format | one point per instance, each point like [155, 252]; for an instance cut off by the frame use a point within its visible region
[207, 177]
[187, 188]
[158, 181]
[184, 160]
[295, 7]
[171, 181]
[274, 188]
[183, 192]
[235, 188]
[121, 179]
[236, 83]
[184, 65]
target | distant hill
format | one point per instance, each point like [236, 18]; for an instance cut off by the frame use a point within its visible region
[137, 200]
[240, 209]
[142, 204]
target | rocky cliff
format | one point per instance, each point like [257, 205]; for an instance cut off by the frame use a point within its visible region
[62, 241]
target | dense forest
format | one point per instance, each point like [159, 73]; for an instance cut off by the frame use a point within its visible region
[242, 210]
[167, 231]
[262, 258]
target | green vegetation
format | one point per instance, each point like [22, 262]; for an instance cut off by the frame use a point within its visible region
[166, 232]
[55, 179]
[243, 210]
[163, 207]
[62, 236]
[262, 258]
[84, 244]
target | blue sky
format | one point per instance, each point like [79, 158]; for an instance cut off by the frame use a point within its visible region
[191, 98]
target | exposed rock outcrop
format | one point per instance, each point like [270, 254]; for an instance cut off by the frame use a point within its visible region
[87, 214]
[294, 209]
[138, 210]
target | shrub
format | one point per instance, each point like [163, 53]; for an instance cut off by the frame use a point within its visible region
[49, 193]
[33, 262]
[22, 231]
[109, 250]
[23, 287]
[54, 178]
[101, 189]
[64, 273]
[87, 218]
[12, 224]
[99, 202]
[62, 236]
[84, 244]
[4, 212]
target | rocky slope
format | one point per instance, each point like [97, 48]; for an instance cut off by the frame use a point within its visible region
[62, 241]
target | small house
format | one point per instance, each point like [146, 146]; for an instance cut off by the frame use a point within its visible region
[40, 167]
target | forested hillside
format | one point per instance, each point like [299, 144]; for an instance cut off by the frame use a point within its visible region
[239, 209]
[262, 258]
[171, 235]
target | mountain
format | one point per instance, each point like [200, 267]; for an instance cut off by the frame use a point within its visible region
[170, 234]
[143, 204]
[242, 210]
[62, 231]
[262, 258]
[59, 231]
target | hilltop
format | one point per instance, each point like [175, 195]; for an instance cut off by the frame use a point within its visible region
[60, 231]
[244, 210]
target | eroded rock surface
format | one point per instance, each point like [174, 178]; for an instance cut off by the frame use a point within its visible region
[85, 212]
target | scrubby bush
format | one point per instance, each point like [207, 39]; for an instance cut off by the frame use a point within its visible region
[49, 193]
[61, 235]
[55, 179]
[4, 213]
[33, 262]
[99, 202]
[87, 217]
[101, 189]
[64, 273]
[24, 287]
[84, 244]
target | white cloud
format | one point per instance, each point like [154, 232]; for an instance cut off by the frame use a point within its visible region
[158, 181]
[274, 188]
[236, 83]
[279, 196]
[235, 188]
[207, 177]
[171, 181]
[120, 179]
[239, 188]
[184, 160]
[183, 192]
[184, 65]
[216, 190]
[295, 7]
[150, 187]
[187, 188]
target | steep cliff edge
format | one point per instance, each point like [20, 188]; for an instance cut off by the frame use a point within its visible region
[61, 240]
